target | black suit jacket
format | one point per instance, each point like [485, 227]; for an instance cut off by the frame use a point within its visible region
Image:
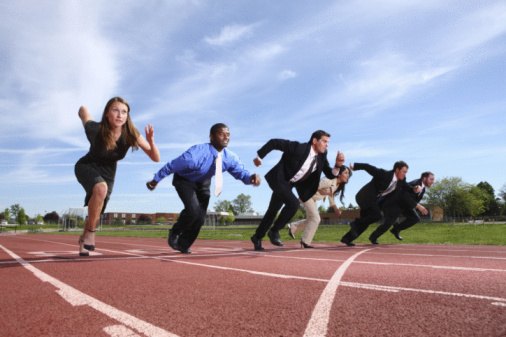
[409, 198]
[294, 156]
[380, 181]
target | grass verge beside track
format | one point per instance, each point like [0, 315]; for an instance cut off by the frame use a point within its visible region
[423, 233]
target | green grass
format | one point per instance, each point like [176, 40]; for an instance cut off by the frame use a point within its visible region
[422, 233]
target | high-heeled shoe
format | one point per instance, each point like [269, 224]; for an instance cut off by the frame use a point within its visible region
[89, 240]
[303, 245]
[81, 246]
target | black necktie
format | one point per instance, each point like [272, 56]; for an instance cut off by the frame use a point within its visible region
[311, 167]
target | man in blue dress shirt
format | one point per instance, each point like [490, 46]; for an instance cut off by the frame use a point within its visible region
[193, 171]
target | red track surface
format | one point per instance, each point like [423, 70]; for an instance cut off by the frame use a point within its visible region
[141, 287]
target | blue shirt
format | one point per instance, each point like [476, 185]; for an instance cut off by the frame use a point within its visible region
[198, 164]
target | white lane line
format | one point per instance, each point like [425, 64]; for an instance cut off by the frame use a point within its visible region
[390, 263]
[319, 320]
[75, 298]
[346, 284]
[119, 331]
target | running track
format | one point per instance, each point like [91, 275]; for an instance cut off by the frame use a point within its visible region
[141, 287]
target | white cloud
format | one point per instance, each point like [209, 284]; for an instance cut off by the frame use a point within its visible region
[230, 34]
[286, 75]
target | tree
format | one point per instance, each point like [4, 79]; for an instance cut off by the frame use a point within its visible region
[223, 206]
[502, 193]
[52, 217]
[456, 197]
[15, 210]
[7, 215]
[144, 219]
[321, 209]
[39, 218]
[161, 220]
[491, 204]
[331, 210]
[21, 217]
[242, 204]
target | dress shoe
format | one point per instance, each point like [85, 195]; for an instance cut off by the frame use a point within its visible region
[347, 242]
[290, 232]
[185, 251]
[173, 240]
[274, 237]
[374, 241]
[89, 240]
[257, 243]
[395, 232]
[303, 245]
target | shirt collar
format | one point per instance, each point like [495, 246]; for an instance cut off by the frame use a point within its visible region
[312, 153]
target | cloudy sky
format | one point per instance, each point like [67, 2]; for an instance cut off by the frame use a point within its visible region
[422, 81]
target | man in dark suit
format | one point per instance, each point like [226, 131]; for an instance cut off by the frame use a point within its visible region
[300, 166]
[379, 193]
[407, 204]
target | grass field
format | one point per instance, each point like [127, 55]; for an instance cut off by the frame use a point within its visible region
[422, 233]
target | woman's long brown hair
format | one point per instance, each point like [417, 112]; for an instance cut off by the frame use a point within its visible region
[128, 130]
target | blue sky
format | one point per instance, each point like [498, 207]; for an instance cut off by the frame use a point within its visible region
[421, 81]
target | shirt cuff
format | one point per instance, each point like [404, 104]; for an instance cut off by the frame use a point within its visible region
[335, 171]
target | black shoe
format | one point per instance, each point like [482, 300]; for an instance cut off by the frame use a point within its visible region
[186, 251]
[347, 242]
[274, 236]
[84, 254]
[395, 232]
[374, 241]
[290, 232]
[173, 240]
[303, 245]
[257, 243]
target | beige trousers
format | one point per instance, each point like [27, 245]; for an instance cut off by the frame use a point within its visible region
[310, 224]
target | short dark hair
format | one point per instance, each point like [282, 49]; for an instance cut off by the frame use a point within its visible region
[400, 164]
[426, 174]
[216, 127]
[318, 135]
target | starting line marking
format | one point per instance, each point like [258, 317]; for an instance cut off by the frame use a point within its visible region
[60, 253]
[76, 298]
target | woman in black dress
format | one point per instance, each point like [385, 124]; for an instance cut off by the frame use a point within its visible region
[109, 142]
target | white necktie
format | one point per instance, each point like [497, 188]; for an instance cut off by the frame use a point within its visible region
[218, 177]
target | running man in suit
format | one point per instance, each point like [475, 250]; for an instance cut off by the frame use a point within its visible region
[407, 204]
[300, 166]
[377, 194]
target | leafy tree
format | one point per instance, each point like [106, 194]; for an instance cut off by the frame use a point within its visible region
[223, 206]
[6, 215]
[331, 210]
[321, 209]
[39, 218]
[144, 219]
[502, 193]
[15, 210]
[456, 197]
[227, 219]
[161, 220]
[52, 217]
[491, 204]
[21, 217]
[242, 204]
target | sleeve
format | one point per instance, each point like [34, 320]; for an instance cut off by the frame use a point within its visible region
[278, 144]
[183, 163]
[237, 170]
[372, 170]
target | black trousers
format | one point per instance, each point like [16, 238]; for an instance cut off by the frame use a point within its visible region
[195, 197]
[370, 215]
[283, 196]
